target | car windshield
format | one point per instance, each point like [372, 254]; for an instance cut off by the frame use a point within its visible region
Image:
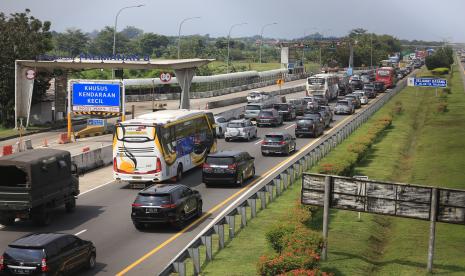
[254, 94]
[154, 199]
[219, 160]
[24, 254]
[313, 81]
[368, 86]
[343, 103]
[274, 138]
[252, 107]
[235, 125]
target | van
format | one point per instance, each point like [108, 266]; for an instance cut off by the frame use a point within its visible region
[253, 109]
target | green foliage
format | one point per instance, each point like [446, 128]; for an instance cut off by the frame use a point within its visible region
[440, 71]
[443, 57]
[275, 236]
[72, 41]
[23, 37]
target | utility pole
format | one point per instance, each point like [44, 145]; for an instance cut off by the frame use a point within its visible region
[229, 37]
[179, 33]
[261, 39]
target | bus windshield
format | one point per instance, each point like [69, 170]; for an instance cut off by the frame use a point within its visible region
[135, 133]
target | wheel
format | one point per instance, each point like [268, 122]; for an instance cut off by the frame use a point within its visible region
[91, 261]
[138, 225]
[70, 205]
[227, 139]
[240, 180]
[248, 137]
[7, 219]
[253, 172]
[199, 210]
[264, 153]
[179, 224]
[288, 150]
[179, 173]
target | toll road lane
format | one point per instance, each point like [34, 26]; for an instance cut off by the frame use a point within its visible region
[105, 214]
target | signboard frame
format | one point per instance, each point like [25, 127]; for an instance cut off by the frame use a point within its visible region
[427, 82]
[103, 92]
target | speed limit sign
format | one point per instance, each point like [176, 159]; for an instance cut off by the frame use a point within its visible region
[165, 77]
[30, 74]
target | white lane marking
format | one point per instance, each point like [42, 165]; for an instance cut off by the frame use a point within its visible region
[95, 188]
[80, 232]
[259, 142]
[290, 126]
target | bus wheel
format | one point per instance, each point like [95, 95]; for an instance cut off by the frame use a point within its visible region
[179, 173]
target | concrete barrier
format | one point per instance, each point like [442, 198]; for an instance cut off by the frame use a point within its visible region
[94, 158]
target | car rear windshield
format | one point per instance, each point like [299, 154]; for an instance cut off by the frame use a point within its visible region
[274, 138]
[220, 160]
[342, 103]
[13, 176]
[305, 122]
[312, 81]
[235, 125]
[24, 254]
[155, 199]
[282, 107]
[252, 107]
[266, 113]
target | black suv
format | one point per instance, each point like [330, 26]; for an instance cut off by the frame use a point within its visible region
[228, 166]
[307, 126]
[287, 110]
[278, 142]
[48, 254]
[166, 203]
[269, 117]
[321, 99]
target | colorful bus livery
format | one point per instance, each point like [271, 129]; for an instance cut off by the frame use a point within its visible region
[386, 75]
[162, 145]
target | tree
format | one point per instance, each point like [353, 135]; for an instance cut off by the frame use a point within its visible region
[443, 57]
[72, 42]
[150, 42]
[131, 32]
[23, 37]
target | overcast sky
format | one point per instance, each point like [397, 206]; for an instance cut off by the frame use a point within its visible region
[411, 19]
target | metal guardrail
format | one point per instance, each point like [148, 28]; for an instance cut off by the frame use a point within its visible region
[267, 189]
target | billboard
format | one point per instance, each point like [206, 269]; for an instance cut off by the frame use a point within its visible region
[387, 198]
[103, 97]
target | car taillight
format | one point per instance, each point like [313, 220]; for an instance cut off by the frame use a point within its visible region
[282, 142]
[43, 265]
[170, 206]
[264, 142]
[232, 166]
[115, 166]
[206, 166]
[2, 266]
[136, 205]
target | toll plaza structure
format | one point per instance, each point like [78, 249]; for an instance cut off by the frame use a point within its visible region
[26, 70]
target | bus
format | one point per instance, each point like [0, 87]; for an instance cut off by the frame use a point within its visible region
[386, 75]
[162, 145]
[323, 84]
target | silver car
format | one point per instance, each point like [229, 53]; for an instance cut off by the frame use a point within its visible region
[344, 107]
[221, 125]
[242, 129]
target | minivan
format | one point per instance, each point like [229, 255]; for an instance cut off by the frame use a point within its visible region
[253, 109]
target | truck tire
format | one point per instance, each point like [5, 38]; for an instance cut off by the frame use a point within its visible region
[70, 205]
[41, 216]
[6, 219]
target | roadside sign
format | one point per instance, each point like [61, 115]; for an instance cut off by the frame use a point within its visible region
[280, 82]
[427, 82]
[165, 77]
[103, 97]
[349, 71]
[30, 74]
[96, 122]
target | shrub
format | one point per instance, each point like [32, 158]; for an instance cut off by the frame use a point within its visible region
[442, 107]
[276, 235]
[305, 272]
[279, 264]
[446, 90]
[440, 71]
[302, 240]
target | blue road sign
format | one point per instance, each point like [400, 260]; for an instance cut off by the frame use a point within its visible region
[95, 122]
[427, 82]
[349, 71]
[96, 96]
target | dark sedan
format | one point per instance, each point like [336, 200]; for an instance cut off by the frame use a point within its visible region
[278, 142]
[307, 126]
[228, 167]
[166, 203]
[286, 110]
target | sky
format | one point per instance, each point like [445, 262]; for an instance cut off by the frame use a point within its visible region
[430, 20]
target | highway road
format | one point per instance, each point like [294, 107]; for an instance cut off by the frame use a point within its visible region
[140, 108]
[103, 214]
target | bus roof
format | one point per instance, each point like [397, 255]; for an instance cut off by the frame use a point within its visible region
[322, 76]
[164, 116]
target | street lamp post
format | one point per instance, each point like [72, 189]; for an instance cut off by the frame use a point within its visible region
[114, 29]
[261, 39]
[229, 37]
[303, 48]
[179, 33]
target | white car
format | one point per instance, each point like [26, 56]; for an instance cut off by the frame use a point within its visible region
[257, 96]
[221, 125]
[363, 96]
[240, 129]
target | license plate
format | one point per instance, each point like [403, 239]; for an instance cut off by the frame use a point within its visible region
[218, 170]
[151, 210]
[137, 177]
[22, 271]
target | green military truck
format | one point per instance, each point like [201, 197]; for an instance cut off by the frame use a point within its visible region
[34, 182]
